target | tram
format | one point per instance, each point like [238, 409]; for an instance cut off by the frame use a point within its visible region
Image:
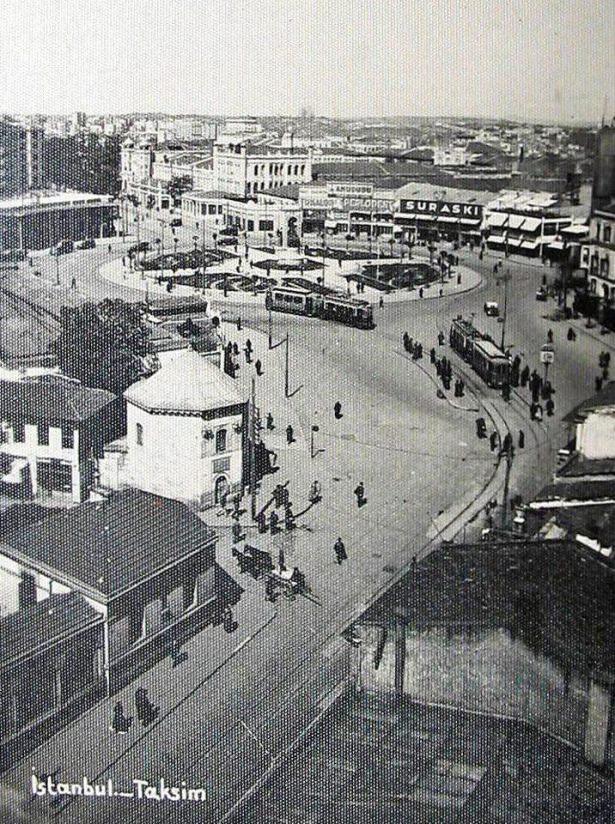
[163, 309]
[485, 358]
[301, 300]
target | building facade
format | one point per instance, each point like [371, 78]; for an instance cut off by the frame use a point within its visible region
[53, 432]
[21, 158]
[186, 428]
[243, 169]
[598, 253]
[40, 221]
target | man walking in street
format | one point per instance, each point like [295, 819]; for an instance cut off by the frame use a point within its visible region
[259, 368]
[521, 440]
[270, 426]
[493, 441]
[360, 495]
[340, 551]
[290, 435]
[337, 410]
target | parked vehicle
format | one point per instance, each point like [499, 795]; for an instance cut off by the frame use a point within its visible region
[177, 221]
[491, 308]
[88, 243]
[541, 294]
[139, 247]
[62, 248]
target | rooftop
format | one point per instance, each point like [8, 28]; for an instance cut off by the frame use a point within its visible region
[105, 547]
[190, 384]
[578, 467]
[51, 399]
[515, 585]
[32, 199]
[379, 760]
[429, 191]
[606, 397]
[32, 629]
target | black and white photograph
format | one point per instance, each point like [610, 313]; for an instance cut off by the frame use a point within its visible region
[307, 423]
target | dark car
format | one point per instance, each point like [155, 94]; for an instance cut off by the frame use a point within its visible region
[88, 243]
[139, 247]
[541, 294]
[177, 221]
[62, 248]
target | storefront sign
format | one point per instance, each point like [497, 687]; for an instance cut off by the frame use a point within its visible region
[350, 189]
[442, 207]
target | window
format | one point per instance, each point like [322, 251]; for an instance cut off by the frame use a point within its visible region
[597, 231]
[139, 429]
[265, 225]
[212, 209]
[19, 432]
[43, 434]
[221, 440]
[250, 225]
[607, 234]
[68, 437]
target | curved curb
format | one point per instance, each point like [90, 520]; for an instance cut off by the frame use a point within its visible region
[437, 385]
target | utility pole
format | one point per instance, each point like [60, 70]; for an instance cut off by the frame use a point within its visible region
[57, 268]
[270, 326]
[252, 436]
[509, 459]
[505, 278]
[286, 360]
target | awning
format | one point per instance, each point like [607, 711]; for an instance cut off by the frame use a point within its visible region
[530, 224]
[516, 221]
[425, 217]
[470, 221]
[577, 230]
[556, 244]
[15, 473]
[513, 241]
[447, 219]
[529, 244]
[498, 219]
[495, 239]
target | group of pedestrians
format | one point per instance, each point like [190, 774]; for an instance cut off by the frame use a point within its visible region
[412, 347]
[145, 710]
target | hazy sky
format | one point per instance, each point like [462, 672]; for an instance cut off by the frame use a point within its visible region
[535, 59]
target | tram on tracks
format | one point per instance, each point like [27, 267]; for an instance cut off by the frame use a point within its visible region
[479, 350]
[176, 308]
[300, 300]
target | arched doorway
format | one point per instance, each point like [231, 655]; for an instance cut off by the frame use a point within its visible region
[221, 489]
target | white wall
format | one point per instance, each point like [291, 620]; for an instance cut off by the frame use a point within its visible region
[174, 460]
[596, 435]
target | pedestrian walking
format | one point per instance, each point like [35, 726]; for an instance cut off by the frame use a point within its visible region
[507, 443]
[270, 426]
[360, 495]
[290, 435]
[441, 338]
[521, 439]
[261, 522]
[432, 355]
[281, 560]
[572, 335]
[525, 375]
[239, 324]
[421, 292]
[235, 349]
[259, 367]
[248, 344]
[120, 724]
[340, 551]
[493, 441]
[481, 428]
[598, 383]
[274, 520]
[406, 342]
[605, 373]
[550, 407]
[146, 711]
[381, 301]
[248, 355]
[337, 410]
[315, 493]
[289, 518]
[550, 336]
[73, 283]
[109, 248]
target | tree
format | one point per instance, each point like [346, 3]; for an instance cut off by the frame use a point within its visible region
[177, 187]
[103, 345]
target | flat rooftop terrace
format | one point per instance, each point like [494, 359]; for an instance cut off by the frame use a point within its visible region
[376, 760]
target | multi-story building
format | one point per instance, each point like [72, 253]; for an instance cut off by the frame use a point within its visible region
[243, 168]
[21, 158]
[603, 189]
[53, 431]
[524, 223]
[598, 253]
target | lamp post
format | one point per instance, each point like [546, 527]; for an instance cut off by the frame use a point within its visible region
[315, 429]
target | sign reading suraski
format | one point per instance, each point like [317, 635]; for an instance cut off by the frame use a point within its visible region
[442, 207]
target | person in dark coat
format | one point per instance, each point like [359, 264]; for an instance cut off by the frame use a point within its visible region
[360, 494]
[120, 724]
[493, 441]
[340, 551]
[432, 355]
[521, 440]
[598, 383]
[281, 560]
[337, 410]
[525, 375]
[259, 367]
[290, 435]
[507, 442]
[481, 428]
[550, 407]
[273, 522]
[270, 425]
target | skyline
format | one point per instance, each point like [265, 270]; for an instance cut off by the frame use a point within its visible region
[551, 63]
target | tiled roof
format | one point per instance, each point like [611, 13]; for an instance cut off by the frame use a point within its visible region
[51, 400]
[35, 627]
[105, 547]
[557, 586]
[606, 397]
[189, 384]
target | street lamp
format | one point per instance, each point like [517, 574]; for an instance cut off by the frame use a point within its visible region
[315, 429]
